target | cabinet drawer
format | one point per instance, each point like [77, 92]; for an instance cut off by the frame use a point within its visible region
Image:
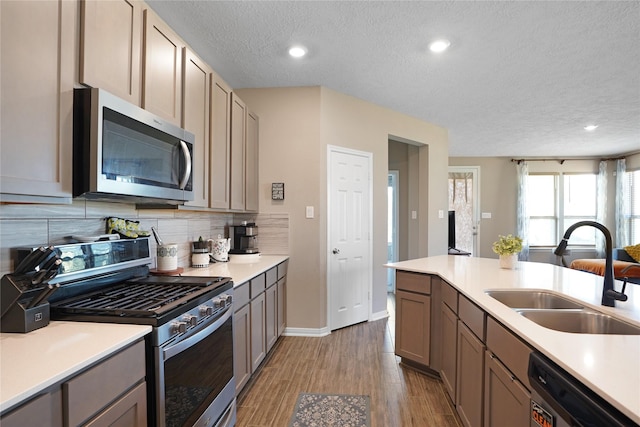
[257, 285]
[413, 282]
[272, 276]
[92, 390]
[511, 351]
[450, 296]
[282, 269]
[472, 316]
[240, 296]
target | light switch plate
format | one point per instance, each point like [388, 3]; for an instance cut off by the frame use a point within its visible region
[414, 215]
[309, 212]
[486, 215]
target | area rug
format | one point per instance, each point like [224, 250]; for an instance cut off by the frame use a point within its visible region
[331, 410]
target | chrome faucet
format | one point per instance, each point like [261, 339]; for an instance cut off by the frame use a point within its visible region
[609, 295]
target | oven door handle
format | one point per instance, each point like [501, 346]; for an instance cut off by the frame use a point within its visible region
[180, 346]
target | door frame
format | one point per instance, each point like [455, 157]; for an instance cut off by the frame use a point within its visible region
[475, 171]
[336, 149]
[395, 174]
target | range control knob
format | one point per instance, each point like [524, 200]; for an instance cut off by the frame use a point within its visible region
[206, 310]
[218, 302]
[229, 299]
[190, 319]
[178, 327]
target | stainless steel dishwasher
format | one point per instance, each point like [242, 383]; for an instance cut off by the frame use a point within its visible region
[559, 400]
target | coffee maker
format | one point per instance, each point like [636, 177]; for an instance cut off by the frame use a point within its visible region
[244, 238]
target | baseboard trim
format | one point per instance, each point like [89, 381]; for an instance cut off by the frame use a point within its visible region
[306, 332]
[379, 315]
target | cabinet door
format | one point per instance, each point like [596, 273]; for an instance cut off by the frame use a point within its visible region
[251, 164]
[162, 73]
[506, 401]
[271, 317]
[110, 46]
[449, 335]
[38, 411]
[470, 373]
[37, 64]
[413, 329]
[220, 158]
[282, 305]
[258, 333]
[128, 411]
[241, 347]
[238, 141]
[195, 119]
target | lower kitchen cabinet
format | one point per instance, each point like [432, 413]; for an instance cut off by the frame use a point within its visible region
[242, 347]
[258, 321]
[506, 400]
[449, 337]
[258, 338]
[470, 372]
[413, 317]
[111, 393]
[42, 410]
[271, 315]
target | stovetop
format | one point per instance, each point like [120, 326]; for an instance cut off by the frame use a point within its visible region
[151, 300]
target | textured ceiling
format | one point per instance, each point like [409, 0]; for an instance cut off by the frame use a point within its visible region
[521, 78]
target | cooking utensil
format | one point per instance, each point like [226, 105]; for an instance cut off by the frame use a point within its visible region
[156, 236]
[29, 262]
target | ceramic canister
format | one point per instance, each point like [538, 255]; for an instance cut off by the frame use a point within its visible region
[167, 257]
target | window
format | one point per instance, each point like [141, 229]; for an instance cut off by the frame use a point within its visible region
[632, 194]
[557, 201]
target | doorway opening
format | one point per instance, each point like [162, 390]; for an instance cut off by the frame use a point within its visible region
[464, 199]
[392, 227]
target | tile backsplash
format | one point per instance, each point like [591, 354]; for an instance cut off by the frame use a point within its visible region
[34, 225]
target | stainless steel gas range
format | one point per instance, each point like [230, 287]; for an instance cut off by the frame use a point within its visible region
[190, 350]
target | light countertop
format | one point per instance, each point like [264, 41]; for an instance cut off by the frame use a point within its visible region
[32, 362]
[240, 272]
[608, 364]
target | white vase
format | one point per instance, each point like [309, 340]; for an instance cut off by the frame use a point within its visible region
[509, 261]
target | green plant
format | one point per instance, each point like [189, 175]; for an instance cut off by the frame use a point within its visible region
[507, 245]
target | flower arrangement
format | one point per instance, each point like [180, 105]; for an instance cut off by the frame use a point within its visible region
[507, 245]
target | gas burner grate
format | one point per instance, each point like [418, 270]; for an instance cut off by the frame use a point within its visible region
[146, 297]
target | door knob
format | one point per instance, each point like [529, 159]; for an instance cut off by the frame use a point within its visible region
[336, 251]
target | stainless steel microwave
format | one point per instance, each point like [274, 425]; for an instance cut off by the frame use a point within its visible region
[123, 152]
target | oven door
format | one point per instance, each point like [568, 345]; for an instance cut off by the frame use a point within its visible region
[194, 377]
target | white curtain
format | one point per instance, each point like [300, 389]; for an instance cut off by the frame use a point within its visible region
[522, 222]
[601, 207]
[622, 205]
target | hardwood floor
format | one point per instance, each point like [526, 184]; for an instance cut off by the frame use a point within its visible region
[359, 359]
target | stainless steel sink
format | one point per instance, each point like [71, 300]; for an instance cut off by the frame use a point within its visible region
[532, 299]
[580, 321]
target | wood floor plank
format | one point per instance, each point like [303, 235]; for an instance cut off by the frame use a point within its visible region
[355, 360]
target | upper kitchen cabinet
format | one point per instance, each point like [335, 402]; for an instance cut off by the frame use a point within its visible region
[251, 163]
[37, 64]
[110, 46]
[195, 119]
[238, 143]
[162, 69]
[220, 153]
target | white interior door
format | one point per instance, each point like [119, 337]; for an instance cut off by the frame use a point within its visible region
[349, 241]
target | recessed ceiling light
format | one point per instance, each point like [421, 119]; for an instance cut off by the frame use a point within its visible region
[297, 51]
[590, 128]
[440, 45]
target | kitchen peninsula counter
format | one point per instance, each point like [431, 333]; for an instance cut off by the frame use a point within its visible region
[239, 271]
[608, 364]
[32, 362]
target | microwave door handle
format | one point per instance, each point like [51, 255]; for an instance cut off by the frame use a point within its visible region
[187, 170]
